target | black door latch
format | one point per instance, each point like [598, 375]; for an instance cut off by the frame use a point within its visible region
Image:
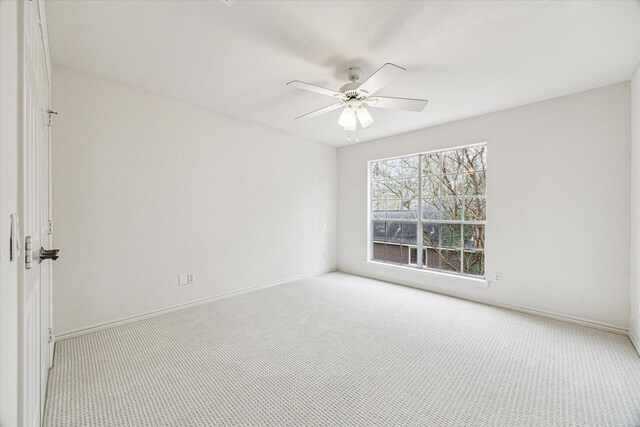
[51, 254]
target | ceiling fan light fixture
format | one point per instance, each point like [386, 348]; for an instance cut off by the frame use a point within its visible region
[354, 95]
[348, 119]
[364, 117]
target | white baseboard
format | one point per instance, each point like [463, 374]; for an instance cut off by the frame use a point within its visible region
[95, 328]
[635, 343]
[529, 310]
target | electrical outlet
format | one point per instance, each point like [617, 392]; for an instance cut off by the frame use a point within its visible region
[191, 278]
[497, 277]
[183, 279]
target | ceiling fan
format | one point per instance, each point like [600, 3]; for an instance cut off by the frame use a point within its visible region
[355, 96]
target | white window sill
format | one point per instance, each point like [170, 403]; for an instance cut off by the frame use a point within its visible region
[480, 282]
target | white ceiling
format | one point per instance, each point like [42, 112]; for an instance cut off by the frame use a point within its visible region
[467, 58]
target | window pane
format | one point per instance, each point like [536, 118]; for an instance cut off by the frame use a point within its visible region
[379, 251]
[410, 188]
[430, 234]
[410, 205]
[450, 236]
[450, 260]
[452, 208]
[431, 164]
[409, 234]
[431, 186]
[452, 161]
[475, 158]
[379, 190]
[432, 209]
[394, 188]
[407, 209]
[474, 263]
[475, 184]
[432, 259]
[379, 231]
[393, 205]
[474, 236]
[413, 256]
[394, 232]
[475, 209]
[394, 168]
[452, 185]
[378, 171]
[397, 254]
[404, 255]
[410, 167]
[442, 209]
[378, 209]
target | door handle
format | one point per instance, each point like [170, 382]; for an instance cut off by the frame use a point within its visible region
[51, 254]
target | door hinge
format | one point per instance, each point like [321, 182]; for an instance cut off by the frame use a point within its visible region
[50, 227]
[28, 253]
[14, 240]
[51, 113]
[52, 335]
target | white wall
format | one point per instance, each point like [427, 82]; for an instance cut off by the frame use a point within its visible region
[634, 319]
[147, 187]
[9, 142]
[558, 205]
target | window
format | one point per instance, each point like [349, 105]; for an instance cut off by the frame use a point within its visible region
[429, 210]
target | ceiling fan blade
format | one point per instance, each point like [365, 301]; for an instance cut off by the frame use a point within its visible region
[380, 78]
[407, 104]
[313, 88]
[321, 111]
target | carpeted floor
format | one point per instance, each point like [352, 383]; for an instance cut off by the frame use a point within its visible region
[344, 350]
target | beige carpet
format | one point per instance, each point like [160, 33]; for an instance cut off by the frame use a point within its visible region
[344, 350]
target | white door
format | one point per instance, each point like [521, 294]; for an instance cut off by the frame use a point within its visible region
[35, 207]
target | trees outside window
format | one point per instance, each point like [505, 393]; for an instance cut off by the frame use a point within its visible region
[429, 210]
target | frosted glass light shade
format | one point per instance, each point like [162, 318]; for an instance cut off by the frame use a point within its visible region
[348, 119]
[364, 117]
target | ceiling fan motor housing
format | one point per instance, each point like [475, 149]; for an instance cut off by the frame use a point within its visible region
[350, 90]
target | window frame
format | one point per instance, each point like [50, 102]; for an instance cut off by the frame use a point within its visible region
[420, 248]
